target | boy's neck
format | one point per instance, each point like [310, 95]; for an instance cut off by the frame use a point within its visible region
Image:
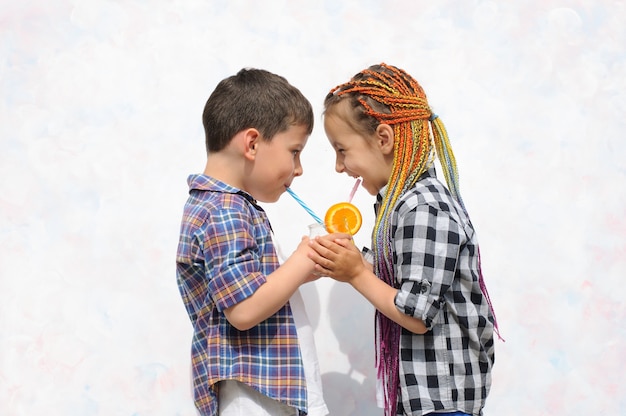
[224, 167]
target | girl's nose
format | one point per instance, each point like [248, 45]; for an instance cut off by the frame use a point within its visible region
[339, 167]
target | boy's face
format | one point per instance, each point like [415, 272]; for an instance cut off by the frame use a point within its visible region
[276, 164]
[358, 156]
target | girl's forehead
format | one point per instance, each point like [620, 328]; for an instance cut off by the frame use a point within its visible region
[341, 135]
[336, 125]
[341, 108]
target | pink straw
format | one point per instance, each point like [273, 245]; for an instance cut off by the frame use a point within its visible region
[354, 188]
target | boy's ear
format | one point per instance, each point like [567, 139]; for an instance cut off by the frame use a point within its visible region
[385, 138]
[251, 138]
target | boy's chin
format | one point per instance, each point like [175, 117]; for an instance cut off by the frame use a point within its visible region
[268, 199]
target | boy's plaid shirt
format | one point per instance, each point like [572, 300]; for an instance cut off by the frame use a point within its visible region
[224, 254]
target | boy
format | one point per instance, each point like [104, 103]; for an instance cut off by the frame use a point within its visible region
[246, 350]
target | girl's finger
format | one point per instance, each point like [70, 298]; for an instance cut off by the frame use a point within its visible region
[325, 248]
[344, 242]
[323, 271]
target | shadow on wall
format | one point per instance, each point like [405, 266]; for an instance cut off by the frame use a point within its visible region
[352, 393]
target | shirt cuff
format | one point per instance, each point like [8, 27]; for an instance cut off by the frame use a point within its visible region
[412, 299]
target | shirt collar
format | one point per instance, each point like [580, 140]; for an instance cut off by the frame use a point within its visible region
[208, 183]
[430, 172]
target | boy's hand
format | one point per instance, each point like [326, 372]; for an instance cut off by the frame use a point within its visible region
[302, 255]
[336, 256]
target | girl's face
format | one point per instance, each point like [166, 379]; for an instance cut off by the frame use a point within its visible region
[276, 164]
[368, 157]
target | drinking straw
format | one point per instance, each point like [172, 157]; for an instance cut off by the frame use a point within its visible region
[305, 206]
[354, 188]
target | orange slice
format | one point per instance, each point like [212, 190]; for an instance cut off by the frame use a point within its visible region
[343, 217]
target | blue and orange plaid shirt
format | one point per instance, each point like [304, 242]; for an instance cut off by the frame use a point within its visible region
[224, 254]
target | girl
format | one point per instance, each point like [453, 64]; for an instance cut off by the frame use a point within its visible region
[434, 321]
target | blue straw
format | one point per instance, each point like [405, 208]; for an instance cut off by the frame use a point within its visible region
[305, 206]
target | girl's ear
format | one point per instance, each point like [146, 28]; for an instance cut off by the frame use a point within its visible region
[251, 138]
[385, 138]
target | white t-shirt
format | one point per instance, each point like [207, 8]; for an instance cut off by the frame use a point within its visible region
[316, 403]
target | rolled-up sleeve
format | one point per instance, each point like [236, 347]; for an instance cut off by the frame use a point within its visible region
[426, 244]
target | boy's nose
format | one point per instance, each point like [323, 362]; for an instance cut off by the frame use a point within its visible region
[297, 170]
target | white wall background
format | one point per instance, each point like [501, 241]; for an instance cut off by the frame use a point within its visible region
[100, 124]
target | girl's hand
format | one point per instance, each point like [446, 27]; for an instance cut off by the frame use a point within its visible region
[336, 256]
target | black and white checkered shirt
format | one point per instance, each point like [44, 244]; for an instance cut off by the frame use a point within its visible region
[436, 267]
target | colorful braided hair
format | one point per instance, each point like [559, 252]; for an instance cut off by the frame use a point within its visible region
[384, 94]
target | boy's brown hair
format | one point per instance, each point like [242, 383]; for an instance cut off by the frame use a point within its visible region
[253, 98]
